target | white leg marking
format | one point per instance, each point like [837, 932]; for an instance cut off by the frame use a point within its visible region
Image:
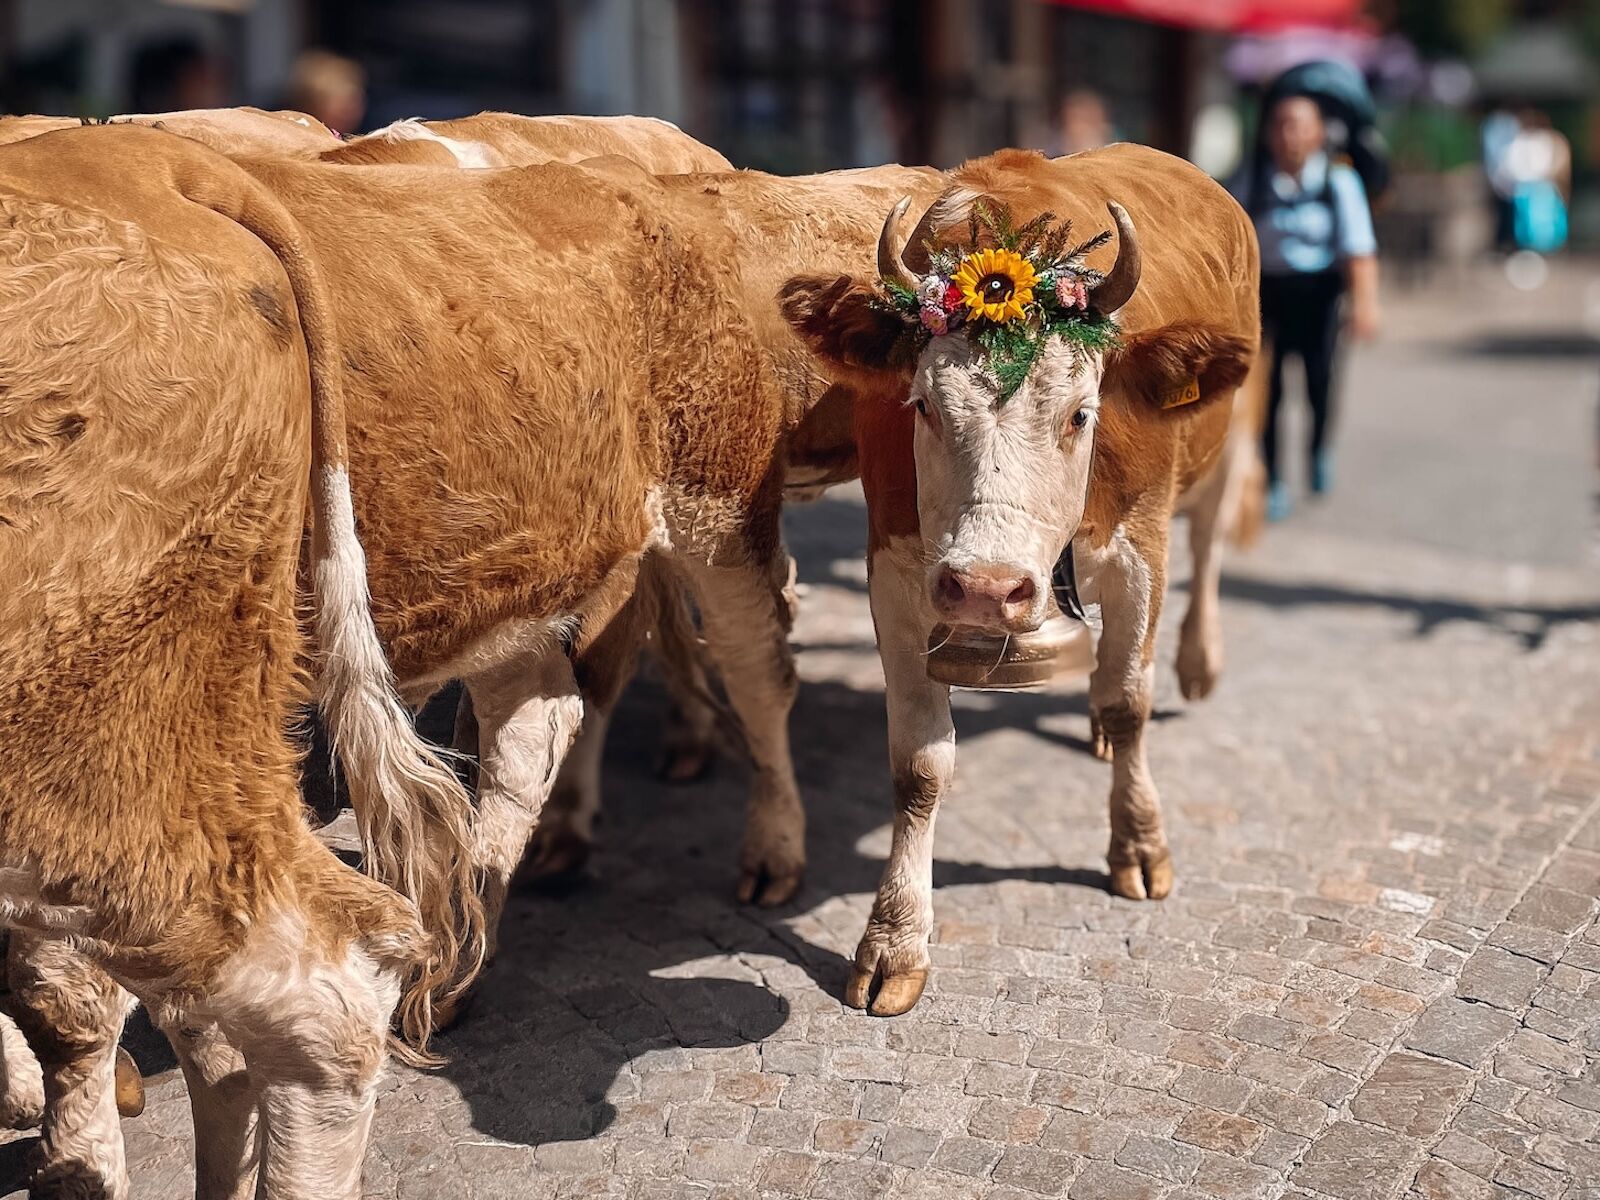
[313, 1031]
[528, 715]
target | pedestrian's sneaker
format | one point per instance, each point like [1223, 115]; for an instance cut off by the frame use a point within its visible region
[1279, 505]
[1322, 472]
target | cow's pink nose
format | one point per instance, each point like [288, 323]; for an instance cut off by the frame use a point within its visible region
[989, 596]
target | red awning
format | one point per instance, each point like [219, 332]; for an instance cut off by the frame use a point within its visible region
[1234, 16]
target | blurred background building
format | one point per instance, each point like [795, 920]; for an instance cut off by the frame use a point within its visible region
[801, 85]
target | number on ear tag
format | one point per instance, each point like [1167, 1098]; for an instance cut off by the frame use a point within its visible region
[1187, 394]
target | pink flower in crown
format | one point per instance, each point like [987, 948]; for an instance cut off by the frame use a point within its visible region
[1070, 291]
[935, 321]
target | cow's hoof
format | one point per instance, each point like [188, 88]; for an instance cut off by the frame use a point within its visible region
[130, 1085]
[685, 763]
[555, 852]
[769, 888]
[1198, 673]
[897, 994]
[1148, 879]
[1098, 741]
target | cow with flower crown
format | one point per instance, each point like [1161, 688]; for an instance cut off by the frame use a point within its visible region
[1025, 401]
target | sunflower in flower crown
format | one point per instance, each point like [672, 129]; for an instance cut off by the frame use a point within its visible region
[996, 284]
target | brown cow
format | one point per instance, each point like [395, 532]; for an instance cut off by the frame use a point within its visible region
[831, 222]
[511, 463]
[973, 494]
[170, 394]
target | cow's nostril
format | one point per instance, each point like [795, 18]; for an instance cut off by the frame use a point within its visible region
[1022, 593]
[950, 589]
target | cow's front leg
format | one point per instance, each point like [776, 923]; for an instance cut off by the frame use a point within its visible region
[922, 754]
[1127, 577]
[528, 713]
[71, 1013]
[744, 619]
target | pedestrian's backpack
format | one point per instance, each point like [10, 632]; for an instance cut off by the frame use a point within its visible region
[1539, 216]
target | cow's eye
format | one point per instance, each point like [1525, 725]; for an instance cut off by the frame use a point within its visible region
[922, 405]
[1080, 418]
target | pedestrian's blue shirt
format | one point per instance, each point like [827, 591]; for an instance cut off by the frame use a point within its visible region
[1313, 223]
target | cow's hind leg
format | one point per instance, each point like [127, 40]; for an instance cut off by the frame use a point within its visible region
[1127, 579]
[1209, 509]
[21, 1082]
[528, 714]
[307, 1002]
[72, 1014]
[222, 1101]
[602, 668]
[743, 613]
[689, 741]
[893, 952]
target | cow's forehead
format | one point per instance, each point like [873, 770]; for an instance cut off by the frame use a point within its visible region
[955, 370]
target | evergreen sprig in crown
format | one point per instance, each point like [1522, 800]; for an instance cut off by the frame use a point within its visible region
[1031, 285]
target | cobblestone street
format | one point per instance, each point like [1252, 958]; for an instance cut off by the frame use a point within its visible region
[1378, 975]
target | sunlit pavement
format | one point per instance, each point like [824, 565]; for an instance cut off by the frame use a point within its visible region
[1379, 974]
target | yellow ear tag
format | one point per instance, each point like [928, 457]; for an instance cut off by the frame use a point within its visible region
[1187, 394]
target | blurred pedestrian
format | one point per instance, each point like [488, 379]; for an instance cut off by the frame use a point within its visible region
[1495, 136]
[1537, 174]
[1085, 123]
[1319, 271]
[329, 87]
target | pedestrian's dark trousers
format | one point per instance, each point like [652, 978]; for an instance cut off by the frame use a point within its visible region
[1300, 314]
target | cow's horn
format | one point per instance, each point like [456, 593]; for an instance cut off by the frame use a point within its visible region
[1117, 288]
[892, 244]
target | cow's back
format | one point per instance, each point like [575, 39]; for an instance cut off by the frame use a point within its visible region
[658, 146]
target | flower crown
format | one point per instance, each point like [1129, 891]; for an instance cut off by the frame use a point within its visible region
[1031, 285]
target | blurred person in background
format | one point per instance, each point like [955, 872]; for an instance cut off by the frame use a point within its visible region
[176, 74]
[1498, 132]
[329, 87]
[1536, 174]
[1085, 124]
[1319, 271]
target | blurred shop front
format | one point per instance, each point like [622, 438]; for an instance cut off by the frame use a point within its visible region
[787, 85]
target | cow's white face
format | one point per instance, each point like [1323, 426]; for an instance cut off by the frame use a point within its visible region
[1001, 484]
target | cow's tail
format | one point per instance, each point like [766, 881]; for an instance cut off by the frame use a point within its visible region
[414, 814]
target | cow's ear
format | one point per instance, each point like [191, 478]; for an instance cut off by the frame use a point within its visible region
[1178, 365]
[845, 323]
